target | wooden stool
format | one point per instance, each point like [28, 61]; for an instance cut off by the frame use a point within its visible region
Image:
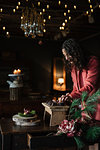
[57, 113]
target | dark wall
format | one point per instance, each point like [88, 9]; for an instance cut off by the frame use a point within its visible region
[35, 60]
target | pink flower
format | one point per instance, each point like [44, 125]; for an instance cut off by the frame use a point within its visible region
[67, 127]
[26, 111]
[70, 134]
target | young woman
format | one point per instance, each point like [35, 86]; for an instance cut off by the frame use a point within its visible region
[84, 71]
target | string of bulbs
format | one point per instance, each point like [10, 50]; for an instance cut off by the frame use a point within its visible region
[66, 10]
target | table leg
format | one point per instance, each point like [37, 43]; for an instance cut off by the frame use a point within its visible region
[44, 115]
[6, 142]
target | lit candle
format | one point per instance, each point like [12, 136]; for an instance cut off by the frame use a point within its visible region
[15, 71]
[19, 71]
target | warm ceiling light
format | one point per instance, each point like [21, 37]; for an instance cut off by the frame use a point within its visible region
[1, 9]
[59, 2]
[99, 6]
[44, 30]
[44, 20]
[89, 1]
[7, 33]
[21, 17]
[40, 13]
[64, 13]
[61, 28]
[17, 7]
[74, 6]
[65, 20]
[18, 3]
[14, 10]
[38, 3]
[65, 6]
[68, 11]
[91, 10]
[43, 10]
[63, 24]
[4, 28]
[49, 17]
[47, 6]
[90, 6]
[69, 17]
[87, 12]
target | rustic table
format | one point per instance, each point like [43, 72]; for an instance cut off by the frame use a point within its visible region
[14, 137]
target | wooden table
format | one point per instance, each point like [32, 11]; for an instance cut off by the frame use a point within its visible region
[15, 137]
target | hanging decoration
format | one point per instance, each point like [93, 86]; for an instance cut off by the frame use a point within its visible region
[31, 22]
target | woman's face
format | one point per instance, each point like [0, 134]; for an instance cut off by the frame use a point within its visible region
[68, 57]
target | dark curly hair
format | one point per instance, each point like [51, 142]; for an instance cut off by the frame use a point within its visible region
[73, 49]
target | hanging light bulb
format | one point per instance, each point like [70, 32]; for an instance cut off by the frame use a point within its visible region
[49, 17]
[44, 30]
[68, 10]
[43, 10]
[89, 1]
[1, 9]
[63, 24]
[64, 13]
[19, 3]
[14, 10]
[91, 10]
[59, 2]
[87, 12]
[74, 6]
[17, 7]
[65, 6]
[90, 6]
[4, 27]
[66, 21]
[69, 17]
[44, 20]
[47, 6]
[40, 13]
[39, 3]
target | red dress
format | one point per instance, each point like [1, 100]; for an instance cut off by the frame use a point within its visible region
[86, 80]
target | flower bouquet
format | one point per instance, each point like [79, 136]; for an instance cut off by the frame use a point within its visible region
[80, 124]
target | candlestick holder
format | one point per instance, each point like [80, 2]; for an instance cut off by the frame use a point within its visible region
[15, 86]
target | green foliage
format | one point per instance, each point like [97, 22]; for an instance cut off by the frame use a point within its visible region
[77, 114]
[79, 142]
[93, 98]
[90, 109]
[90, 104]
[84, 96]
[76, 102]
[93, 133]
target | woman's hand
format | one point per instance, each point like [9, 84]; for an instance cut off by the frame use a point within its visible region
[65, 98]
